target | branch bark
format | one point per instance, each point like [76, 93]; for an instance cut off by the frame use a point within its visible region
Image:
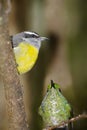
[81, 116]
[12, 86]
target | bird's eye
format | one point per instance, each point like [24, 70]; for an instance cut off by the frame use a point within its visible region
[33, 36]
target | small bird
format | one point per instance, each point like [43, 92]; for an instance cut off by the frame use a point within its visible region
[26, 46]
[54, 108]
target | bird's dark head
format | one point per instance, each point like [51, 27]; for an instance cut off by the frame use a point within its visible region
[33, 38]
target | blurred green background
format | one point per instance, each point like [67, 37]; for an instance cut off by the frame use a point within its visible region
[62, 59]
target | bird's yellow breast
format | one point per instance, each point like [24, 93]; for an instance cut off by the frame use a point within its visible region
[25, 55]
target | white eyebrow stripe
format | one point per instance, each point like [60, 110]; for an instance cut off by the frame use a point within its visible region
[31, 33]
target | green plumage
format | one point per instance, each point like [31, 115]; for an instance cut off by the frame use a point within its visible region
[54, 108]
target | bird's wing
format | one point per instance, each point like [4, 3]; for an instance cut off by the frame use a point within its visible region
[17, 39]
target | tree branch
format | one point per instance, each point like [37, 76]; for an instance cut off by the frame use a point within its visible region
[12, 86]
[81, 116]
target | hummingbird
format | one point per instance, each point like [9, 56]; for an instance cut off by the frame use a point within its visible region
[54, 108]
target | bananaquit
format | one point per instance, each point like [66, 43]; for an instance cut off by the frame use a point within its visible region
[26, 47]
